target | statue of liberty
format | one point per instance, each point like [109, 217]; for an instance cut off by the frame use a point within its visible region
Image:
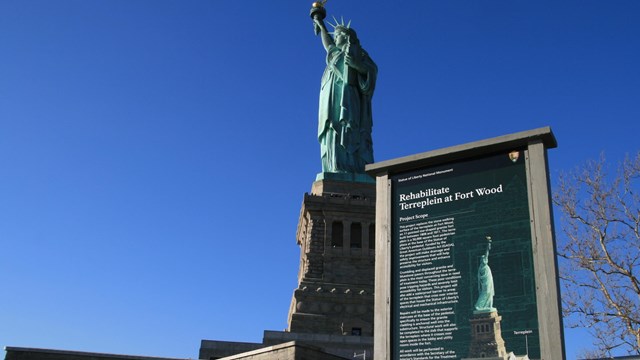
[344, 114]
[485, 283]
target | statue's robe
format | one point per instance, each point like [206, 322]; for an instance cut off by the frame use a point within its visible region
[344, 115]
[485, 288]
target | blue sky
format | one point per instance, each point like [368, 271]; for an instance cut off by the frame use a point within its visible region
[155, 153]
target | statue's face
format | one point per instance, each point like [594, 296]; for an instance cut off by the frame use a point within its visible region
[484, 260]
[340, 38]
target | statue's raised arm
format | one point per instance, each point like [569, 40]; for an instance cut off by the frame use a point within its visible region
[318, 13]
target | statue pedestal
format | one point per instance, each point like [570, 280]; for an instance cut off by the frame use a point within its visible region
[486, 337]
[335, 293]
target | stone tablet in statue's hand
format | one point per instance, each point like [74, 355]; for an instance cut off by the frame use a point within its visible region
[354, 63]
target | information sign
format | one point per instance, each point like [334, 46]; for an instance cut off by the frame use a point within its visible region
[462, 263]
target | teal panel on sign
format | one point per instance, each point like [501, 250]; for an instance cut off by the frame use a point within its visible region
[445, 220]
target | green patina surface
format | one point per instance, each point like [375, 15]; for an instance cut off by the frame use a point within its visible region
[344, 112]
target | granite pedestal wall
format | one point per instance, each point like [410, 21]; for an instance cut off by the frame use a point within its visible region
[486, 336]
[336, 275]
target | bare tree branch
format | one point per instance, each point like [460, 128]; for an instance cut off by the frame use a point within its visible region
[599, 254]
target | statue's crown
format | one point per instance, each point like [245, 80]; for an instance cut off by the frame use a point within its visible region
[340, 25]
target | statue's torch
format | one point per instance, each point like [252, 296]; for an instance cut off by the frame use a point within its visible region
[318, 12]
